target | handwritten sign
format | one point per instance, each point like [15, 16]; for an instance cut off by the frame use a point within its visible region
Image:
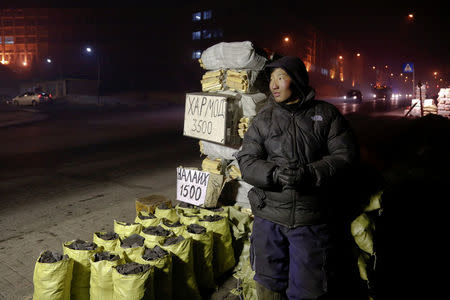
[192, 186]
[205, 117]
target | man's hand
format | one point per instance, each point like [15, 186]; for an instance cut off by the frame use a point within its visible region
[287, 177]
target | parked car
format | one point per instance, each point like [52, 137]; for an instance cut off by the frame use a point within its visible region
[31, 98]
[354, 95]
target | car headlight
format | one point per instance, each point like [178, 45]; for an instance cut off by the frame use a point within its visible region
[354, 97]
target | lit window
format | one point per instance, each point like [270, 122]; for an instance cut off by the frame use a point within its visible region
[206, 34]
[324, 71]
[196, 35]
[9, 40]
[196, 16]
[196, 54]
[218, 33]
[207, 14]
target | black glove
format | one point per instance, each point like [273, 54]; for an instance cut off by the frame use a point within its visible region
[289, 177]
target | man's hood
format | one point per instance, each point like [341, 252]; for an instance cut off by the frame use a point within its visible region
[296, 69]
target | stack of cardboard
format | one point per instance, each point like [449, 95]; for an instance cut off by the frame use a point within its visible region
[443, 107]
[220, 116]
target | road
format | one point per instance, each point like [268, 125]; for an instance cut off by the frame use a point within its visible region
[75, 172]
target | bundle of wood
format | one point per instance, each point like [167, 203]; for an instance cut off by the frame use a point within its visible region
[213, 81]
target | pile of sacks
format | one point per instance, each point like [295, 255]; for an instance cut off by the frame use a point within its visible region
[428, 107]
[236, 70]
[170, 253]
[443, 107]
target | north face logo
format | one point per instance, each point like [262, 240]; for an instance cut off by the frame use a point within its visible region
[317, 118]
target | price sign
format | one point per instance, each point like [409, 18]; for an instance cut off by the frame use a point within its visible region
[205, 117]
[192, 185]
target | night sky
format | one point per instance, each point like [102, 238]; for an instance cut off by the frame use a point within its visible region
[380, 31]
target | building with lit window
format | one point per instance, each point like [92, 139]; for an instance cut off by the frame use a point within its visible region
[23, 36]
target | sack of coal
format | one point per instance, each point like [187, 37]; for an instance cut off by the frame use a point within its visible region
[132, 247]
[154, 235]
[147, 219]
[223, 259]
[133, 281]
[362, 229]
[176, 227]
[203, 254]
[162, 279]
[107, 240]
[166, 211]
[101, 283]
[52, 276]
[124, 229]
[183, 267]
[80, 251]
[189, 218]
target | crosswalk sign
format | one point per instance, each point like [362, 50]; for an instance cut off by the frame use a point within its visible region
[408, 68]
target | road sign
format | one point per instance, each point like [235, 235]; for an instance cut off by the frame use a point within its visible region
[408, 68]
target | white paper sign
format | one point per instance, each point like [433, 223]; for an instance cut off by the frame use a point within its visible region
[205, 117]
[192, 185]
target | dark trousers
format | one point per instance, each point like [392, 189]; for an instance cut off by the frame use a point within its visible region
[292, 260]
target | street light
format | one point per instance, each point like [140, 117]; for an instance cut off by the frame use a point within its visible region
[358, 54]
[286, 39]
[89, 50]
[49, 60]
[340, 57]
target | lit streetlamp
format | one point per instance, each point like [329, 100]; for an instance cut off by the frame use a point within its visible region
[89, 50]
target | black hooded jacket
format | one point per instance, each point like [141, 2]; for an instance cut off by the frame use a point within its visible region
[313, 135]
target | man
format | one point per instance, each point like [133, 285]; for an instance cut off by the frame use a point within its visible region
[293, 149]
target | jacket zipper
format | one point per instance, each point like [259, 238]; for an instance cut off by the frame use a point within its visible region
[295, 153]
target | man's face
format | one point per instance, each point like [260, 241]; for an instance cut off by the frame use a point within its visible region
[280, 85]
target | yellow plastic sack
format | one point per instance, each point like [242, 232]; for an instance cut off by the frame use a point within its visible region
[203, 256]
[162, 278]
[177, 230]
[141, 219]
[169, 213]
[133, 286]
[220, 211]
[108, 245]
[52, 281]
[180, 208]
[223, 259]
[152, 240]
[187, 218]
[183, 269]
[81, 271]
[101, 282]
[362, 229]
[130, 254]
[124, 229]
[244, 273]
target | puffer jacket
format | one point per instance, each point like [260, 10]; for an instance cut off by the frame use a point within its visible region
[314, 136]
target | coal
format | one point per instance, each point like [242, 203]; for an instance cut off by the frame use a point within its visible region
[164, 206]
[105, 256]
[108, 236]
[196, 229]
[170, 224]
[156, 230]
[216, 209]
[133, 241]
[51, 257]
[187, 205]
[144, 217]
[132, 268]
[155, 253]
[214, 218]
[82, 245]
[173, 240]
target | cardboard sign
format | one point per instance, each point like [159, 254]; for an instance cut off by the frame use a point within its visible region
[192, 186]
[205, 117]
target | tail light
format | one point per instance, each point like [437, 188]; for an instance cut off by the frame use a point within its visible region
[40, 96]
[50, 95]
